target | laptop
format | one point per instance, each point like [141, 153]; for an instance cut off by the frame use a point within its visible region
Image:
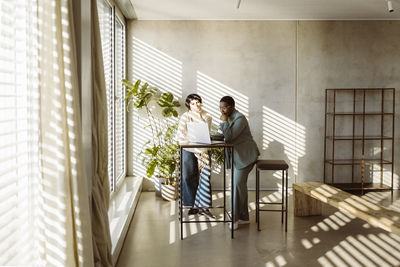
[198, 132]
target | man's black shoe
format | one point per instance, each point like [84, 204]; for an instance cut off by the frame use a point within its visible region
[193, 211]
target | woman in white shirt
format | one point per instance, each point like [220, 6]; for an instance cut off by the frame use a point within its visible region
[196, 163]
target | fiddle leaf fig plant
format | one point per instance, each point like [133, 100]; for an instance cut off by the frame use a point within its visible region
[160, 153]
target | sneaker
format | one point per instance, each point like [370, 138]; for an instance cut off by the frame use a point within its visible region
[193, 211]
[235, 225]
[243, 221]
[207, 213]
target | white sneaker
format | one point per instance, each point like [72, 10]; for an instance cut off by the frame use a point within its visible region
[243, 221]
[235, 225]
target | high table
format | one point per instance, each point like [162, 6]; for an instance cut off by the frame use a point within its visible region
[228, 148]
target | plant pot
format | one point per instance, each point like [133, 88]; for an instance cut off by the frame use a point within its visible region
[157, 185]
[169, 192]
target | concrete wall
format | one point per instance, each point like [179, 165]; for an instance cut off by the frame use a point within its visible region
[276, 70]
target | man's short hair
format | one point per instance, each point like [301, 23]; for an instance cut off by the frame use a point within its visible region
[229, 100]
[191, 97]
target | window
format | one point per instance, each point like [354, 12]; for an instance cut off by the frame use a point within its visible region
[120, 129]
[112, 28]
[19, 132]
[41, 208]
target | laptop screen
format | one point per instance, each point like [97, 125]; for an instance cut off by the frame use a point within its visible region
[198, 132]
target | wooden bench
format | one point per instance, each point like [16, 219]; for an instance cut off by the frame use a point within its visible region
[308, 197]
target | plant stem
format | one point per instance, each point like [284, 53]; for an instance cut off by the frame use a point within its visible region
[150, 116]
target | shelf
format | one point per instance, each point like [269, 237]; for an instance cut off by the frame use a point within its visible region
[359, 113]
[359, 186]
[357, 161]
[365, 117]
[360, 89]
[350, 137]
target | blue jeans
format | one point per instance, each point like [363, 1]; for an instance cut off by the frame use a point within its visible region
[196, 191]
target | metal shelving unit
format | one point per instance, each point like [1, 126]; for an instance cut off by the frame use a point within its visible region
[359, 122]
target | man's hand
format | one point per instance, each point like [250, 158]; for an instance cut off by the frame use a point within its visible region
[224, 117]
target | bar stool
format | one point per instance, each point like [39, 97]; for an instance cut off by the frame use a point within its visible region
[272, 165]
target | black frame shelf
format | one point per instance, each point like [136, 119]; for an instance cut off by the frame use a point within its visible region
[356, 122]
[357, 161]
[359, 137]
[359, 113]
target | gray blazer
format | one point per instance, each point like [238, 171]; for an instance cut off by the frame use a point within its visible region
[237, 132]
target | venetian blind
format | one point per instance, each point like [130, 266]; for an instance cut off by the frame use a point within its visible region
[119, 100]
[106, 30]
[19, 134]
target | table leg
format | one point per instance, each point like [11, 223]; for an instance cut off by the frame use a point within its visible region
[224, 186]
[283, 195]
[287, 203]
[180, 192]
[232, 193]
[258, 198]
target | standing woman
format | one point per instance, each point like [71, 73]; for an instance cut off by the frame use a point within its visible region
[236, 131]
[196, 162]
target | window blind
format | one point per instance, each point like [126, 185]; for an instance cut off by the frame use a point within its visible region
[19, 134]
[105, 12]
[112, 30]
[119, 100]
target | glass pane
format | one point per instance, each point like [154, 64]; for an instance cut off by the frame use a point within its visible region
[106, 30]
[19, 133]
[119, 100]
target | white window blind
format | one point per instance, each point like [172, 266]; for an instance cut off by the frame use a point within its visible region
[19, 135]
[106, 29]
[119, 100]
[113, 44]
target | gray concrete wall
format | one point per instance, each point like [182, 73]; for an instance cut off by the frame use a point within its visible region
[276, 70]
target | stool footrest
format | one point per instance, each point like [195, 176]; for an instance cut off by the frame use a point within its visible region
[271, 203]
[272, 210]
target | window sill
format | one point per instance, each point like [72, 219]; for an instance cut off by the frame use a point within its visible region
[120, 213]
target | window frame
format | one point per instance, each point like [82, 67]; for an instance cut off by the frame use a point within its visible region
[120, 17]
[116, 14]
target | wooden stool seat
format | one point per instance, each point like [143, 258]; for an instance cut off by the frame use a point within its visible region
[272, 165]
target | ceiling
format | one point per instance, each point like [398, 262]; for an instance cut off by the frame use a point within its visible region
[261, 9]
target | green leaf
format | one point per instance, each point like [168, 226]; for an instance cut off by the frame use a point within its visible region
[155, 150]
[151, 168]
[176, 103]
[172, 168]
[166, 100]
[139, 103]
[133, 87]
[144, 88]
[168, 97]
[147, 97]
[167, 112]
[153, 91]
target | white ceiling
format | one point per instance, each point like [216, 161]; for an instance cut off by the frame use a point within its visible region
[264, 9]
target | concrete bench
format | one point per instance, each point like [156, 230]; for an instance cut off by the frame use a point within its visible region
[308, 197]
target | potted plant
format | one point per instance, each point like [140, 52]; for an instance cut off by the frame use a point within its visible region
[160, 154]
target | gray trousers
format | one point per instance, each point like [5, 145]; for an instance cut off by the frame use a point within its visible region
[240, 201]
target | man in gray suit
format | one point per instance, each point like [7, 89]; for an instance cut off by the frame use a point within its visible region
[236, 130]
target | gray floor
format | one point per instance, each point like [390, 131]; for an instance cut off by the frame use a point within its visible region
[333, 239]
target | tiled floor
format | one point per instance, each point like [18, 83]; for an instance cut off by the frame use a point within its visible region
[333, 239]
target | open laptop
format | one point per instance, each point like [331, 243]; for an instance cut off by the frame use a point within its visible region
[198, 132]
